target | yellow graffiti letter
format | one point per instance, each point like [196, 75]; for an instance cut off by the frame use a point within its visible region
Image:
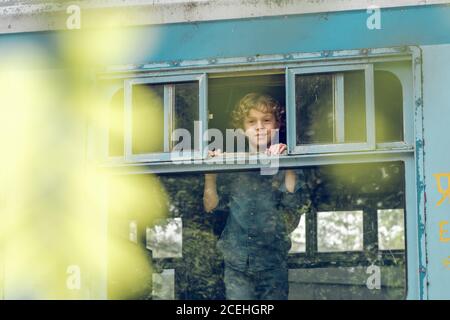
[445, 193]
[446, 262]
[442, 231]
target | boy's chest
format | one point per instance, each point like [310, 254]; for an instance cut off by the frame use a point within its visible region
[254, 195]
[254, 185]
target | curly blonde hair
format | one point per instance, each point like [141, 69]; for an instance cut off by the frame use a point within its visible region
[261, 102]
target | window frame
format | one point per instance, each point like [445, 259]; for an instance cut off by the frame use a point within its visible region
[404, 231]
[339, 109]
[268, 65]
[410, 151]
[312, 256]
[169, 99]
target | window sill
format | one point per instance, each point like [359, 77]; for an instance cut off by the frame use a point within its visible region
[243, 161]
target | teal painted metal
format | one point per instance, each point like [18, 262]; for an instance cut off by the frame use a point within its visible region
[420, 175]
[325, 32]
[420, 190]
[436, 146]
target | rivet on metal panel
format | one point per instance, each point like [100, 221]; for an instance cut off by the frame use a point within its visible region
[422, 227]
[212, 61]
[422, 269]
[417, 60]
[326, 53]
[250, 59]
[420, 184]
[419, 102]
[404, 48]
[364, 51]
[288, 56]
[175, 63]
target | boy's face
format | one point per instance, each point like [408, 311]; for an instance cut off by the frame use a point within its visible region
[260, 128]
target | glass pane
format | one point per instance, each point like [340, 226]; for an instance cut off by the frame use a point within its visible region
[165, 240]
[330, 255]
[388, 107]
[147, 119]
[164, 285]
[186, 111]
[391, 230]
[116, 132]
[339, 231]
[314, 109]
[298, 237]
[355, 106]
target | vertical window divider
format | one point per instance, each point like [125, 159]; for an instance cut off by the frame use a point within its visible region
[169, 102]
[203, 117]
[370, 105]
[291, 132]
[370, 228]
[311, 233]
[339, 108]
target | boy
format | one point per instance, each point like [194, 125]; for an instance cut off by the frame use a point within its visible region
[255, 241]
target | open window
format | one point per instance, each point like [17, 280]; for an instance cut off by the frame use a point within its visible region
[165, 118]
[329, 109]
[226, 90]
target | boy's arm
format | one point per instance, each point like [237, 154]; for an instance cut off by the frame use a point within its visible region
[294, 198]
[290, 180]
[210, 196]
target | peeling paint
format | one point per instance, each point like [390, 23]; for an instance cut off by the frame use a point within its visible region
[420, 179]
[422, 230]
[46, 15]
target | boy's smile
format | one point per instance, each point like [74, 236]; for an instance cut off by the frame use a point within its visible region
[260, 128]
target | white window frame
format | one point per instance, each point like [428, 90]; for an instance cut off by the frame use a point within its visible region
[169, 95]
[405, 76]
[339, 109]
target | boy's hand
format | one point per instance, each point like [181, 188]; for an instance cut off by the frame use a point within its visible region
[215, 153]
[276, 149]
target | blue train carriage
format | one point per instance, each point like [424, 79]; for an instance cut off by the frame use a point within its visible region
[366, 103]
